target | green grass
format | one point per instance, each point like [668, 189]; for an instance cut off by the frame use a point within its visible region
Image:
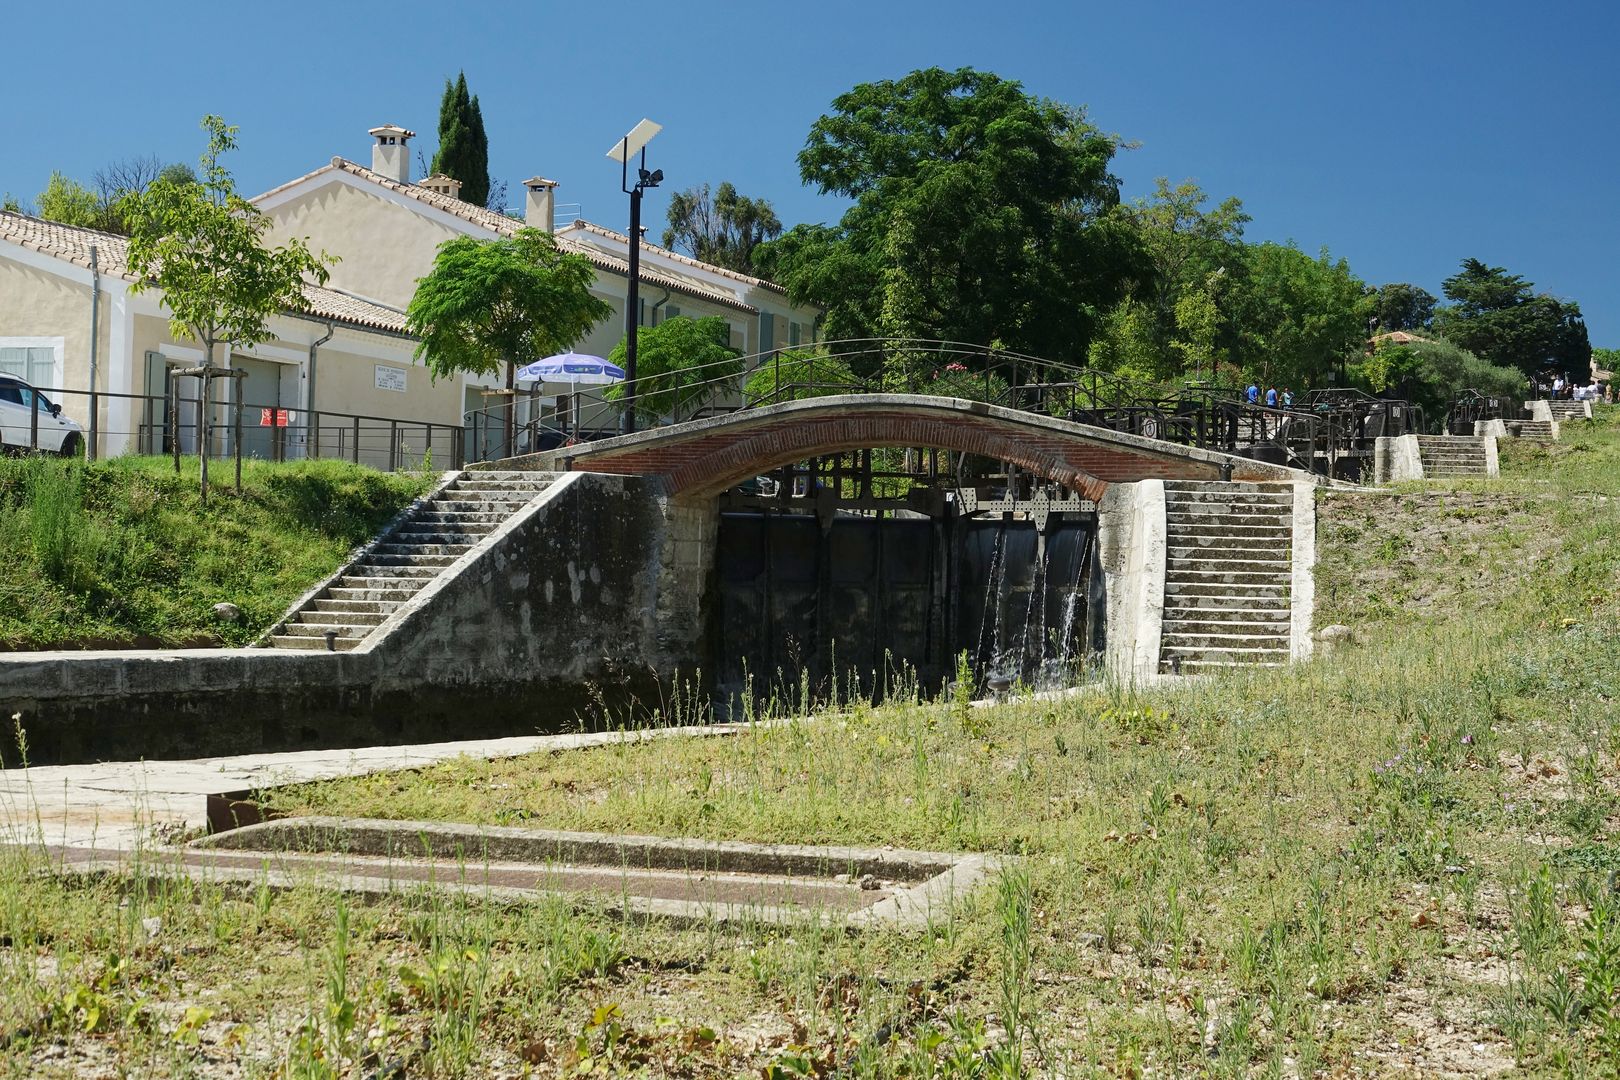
[1395, 857]
[124, 551]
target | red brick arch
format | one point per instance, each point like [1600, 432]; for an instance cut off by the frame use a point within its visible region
[707, 456]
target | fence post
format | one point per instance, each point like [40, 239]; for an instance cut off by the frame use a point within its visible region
[174, 421]
[236, 428]
[458, 440]
[95, 426]
[356, 447]
[33, 421]
[393, 445]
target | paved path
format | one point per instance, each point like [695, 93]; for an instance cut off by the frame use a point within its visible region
[114, 805]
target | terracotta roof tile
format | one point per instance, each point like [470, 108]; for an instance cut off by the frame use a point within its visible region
[72, 244]
[621, 238]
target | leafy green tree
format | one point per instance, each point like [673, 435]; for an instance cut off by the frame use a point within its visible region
[66, 201]
[201, 244]
[1187, 245]
[1500, 317]
[1125, 344]
[681, 364]
[1403, 306]
[1431, 373]
[1297, 318]
[1606, 359]
[723, 228]
[790, 376]
[488, 303]
[981, 214]
[463, 152]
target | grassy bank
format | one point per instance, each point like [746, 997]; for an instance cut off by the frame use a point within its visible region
[1394, 858]
[124, 552]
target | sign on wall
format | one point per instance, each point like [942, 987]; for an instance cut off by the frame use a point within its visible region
[390, 378]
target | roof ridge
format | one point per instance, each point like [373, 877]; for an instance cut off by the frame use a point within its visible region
[724, 271]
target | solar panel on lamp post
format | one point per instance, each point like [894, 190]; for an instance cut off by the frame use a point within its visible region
[635, 142]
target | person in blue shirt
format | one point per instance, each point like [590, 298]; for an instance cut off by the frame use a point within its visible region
[1287, 398]
[1271, 398]
[1254, 394]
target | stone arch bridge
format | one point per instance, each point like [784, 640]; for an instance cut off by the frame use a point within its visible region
[701, 458]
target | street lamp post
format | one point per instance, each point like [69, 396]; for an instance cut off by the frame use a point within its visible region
[633, 143]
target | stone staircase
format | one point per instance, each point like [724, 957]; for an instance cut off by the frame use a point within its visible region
[1570, 410]
[1539, 430]
[1450, 457]
[399, 564]
[1228, 580]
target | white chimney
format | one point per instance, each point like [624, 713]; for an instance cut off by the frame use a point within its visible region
[443, 184]
[540, 206]
[391, 153]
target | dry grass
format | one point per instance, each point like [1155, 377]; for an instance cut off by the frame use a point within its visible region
[1393, 858]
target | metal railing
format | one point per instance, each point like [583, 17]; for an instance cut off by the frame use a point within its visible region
[174, 423]
[1206, 417]
[1471, 406]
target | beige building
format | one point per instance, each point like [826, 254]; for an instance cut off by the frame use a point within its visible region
[386, 230]
[341, 369]
[63, 287]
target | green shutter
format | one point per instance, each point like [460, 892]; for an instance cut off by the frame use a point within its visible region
[767, 331]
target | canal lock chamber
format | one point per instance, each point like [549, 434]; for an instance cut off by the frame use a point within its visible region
[833, 581]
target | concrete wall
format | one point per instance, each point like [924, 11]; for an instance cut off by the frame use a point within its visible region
[1302, 589]
[382, 247]
[1396, 458]
[1131, 544]
[563, 612]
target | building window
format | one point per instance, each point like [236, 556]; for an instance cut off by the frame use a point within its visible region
[793, 333]
[37, 361]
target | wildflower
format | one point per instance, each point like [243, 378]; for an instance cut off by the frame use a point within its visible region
[1468, 740]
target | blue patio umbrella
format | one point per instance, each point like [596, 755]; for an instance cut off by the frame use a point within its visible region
[571, 367]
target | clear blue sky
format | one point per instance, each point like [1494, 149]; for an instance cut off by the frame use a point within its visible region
[1403, 136]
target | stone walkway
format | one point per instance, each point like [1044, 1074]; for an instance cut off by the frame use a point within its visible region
[113, 806]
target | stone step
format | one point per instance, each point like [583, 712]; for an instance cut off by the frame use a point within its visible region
[348, 606]
[325, 616]
[475, 524]
[315, 644]
[1210, 667]
[1204, 527]
[1233, 653]
[1227, 547]
[374, 557]
[1187, 499]
[402, 574]
[1227, 636]
[501, 510]
[395, 547]
[521, 475]
[1191, 615]
[463, 539]
[1221, 591]
[1237, 486]
[501, 494]
[531, 487]
[352, 586]
[1225, 577]
[318, 630]
[1213, 562]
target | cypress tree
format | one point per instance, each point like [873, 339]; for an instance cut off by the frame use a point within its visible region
[463, 152]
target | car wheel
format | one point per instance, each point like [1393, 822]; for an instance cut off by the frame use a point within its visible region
[70, 445]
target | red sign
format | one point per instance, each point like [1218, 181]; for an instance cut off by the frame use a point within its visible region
[274, 417]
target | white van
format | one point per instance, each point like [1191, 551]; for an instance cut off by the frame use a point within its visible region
[56, 433]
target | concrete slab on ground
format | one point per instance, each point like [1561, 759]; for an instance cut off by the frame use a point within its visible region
[115, 806]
